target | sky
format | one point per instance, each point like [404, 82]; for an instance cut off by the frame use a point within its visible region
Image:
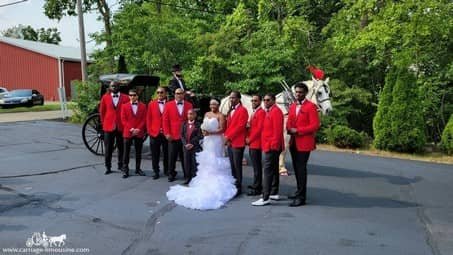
[32, 13]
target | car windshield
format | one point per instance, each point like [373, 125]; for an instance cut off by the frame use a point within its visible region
[19, 93]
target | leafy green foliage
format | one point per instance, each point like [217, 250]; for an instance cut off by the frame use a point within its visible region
[399, 124]
[390, 62]
[447, 137]
[87, 100]
[345, 137]
[47, 35]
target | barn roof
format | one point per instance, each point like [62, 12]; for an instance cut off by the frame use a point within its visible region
[51, 50]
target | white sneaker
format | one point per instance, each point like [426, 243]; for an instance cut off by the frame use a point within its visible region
[261, 202]
[274, 197]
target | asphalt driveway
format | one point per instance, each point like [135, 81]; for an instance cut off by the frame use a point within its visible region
[357, 204]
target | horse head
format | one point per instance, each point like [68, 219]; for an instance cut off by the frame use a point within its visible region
[320, 94]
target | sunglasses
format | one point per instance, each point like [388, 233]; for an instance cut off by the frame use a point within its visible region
[160, 92]
[132, 95]
[179, 93]
[266, 99]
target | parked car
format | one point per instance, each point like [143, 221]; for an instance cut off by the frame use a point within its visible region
[3, 91]
[27, 97]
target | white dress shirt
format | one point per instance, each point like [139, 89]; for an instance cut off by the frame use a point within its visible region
[134, 108]
[234, 109]
[116, 98]
[161, 105]
[180, 107]
[298, 107]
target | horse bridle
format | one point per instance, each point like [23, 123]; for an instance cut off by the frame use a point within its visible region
[315, 90]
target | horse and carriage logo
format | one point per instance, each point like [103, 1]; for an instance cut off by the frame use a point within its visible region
[38, 239]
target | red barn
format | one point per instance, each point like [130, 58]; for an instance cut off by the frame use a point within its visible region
[36, 65]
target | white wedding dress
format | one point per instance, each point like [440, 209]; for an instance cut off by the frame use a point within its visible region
[214, 185]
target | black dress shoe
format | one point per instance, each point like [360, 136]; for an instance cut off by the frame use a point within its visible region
[140, 172]
[238, 193]
[171, 179]
[108, 171]
[297, 202]
[125, 175]
[156, 176]
[254, 192]
[293, 196]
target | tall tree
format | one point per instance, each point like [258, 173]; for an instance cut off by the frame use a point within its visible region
[47, 35]
[56, 9]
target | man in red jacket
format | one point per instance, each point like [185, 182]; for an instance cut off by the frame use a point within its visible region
[175, 114]
[154, 124]
[133, 117]
[110, 111]
[253, 140]
[272, 144]
[235, 134]
[302, 124]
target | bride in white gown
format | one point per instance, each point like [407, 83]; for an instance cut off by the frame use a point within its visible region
[213, 186]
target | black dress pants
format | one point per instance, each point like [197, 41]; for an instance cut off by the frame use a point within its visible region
[300, 159]
[156, 143]
[110, 138]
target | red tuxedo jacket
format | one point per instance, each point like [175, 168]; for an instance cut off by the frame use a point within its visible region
[154, 120]
[131, 120]
[172, 120]
[236, 129]
[111, 115]
[256, 126]
[272, 133]
[306, 122]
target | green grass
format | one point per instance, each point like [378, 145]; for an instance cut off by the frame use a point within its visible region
[52, 106]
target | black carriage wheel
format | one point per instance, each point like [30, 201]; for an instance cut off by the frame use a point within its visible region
[93, 135]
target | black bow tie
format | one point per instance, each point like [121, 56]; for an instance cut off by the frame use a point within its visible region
[115, 95]
[134, 103]
[233, 107]
[300, 101]
[161, 102]
[180, 103]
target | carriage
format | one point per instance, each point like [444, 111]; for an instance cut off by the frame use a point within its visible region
[92, 133]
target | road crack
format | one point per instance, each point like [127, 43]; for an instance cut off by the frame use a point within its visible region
[51, 172]
[148, 229]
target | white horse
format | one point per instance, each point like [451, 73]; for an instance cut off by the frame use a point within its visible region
[57, 241]
[318, 93]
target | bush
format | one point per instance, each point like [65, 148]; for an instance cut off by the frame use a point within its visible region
[87, 100]
[381, 121]
[398, 125]
[447, 137]
[345, 137]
